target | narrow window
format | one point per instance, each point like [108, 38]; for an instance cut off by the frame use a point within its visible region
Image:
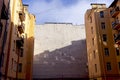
[117, 51]
[109, 66]
[93, 41]
[1, 26]
[103, 25]
[20, 67]
[94, 53]
[95, 67]
[104, 37]
[106, 52]
[90, 19]
[21, 52]
[101, 14]
[92, 30]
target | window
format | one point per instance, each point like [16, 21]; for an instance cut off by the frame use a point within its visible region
[119, 65]
[95, 67]
[106, 52]
[93, 41]
[103, 25]
[21, 52]
[14, 66]
[92, 30]
[94, 54]
[101, 14]
[1, 26]
[20, 67]
[104, 37]
[90, 19]
[117, 51]
[115, 35]
[109, 66]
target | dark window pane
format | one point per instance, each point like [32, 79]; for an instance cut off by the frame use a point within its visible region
[103, 25]
[106, 52]
[101, 14]
[104, 37]
[109, 66]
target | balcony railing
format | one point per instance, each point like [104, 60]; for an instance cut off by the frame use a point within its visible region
[20, 42]
[117, 38]
[115, 12]
[116, 24]
[21, 28]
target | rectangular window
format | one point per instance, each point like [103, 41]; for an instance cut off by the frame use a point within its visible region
[21, 52]
[14, 66]
[119, 65]
[92, 30]
[101, 14]
[109, 66]
[90, 19]
[104, 37]
[117, 51]
[95, 67]
[20, 67]
[94, 54]
[1, 26]
[103, 25]
[93, 41]
[106, 52]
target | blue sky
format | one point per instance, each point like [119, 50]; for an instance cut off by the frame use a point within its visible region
[69, 11]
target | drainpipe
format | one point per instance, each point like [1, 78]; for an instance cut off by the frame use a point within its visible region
[3, 43]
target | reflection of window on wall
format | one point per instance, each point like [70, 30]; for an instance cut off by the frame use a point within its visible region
[106, 52]
[101, 14]
[108, 65]
[103, 25]
[117, 51]
[1, 26]
[95, 67]
[104, 37]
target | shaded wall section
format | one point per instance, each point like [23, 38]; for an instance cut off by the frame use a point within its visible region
[60, 52]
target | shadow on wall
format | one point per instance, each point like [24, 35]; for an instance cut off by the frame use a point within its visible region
[66, 62]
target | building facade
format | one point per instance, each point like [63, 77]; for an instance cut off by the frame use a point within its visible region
[103, 56]
[61, 54]
[15, 62]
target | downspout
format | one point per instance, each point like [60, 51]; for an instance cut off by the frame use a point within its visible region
[3, 43]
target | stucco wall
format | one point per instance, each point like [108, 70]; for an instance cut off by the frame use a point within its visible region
[60, 51]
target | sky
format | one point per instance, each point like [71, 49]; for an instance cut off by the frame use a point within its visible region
[61, 11]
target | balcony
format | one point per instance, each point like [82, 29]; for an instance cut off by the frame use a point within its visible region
[21, 14]
[21, 28]
[4, 13]
[20, 42]
[117, 39]
[115, 12]
[116, 24]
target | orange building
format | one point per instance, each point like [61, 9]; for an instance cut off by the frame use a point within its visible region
[103, 56]
[15, 61]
